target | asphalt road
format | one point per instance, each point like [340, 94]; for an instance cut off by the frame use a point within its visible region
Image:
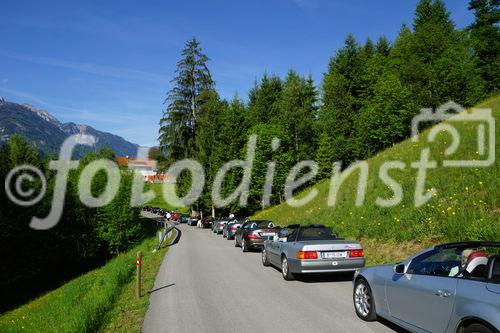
[205, 284]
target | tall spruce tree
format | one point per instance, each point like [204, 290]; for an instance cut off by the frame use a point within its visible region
[210, 141]
[434, 60]
[184, 101]
[485, 40]
[342, 88]
[297, 114]
[263, 101]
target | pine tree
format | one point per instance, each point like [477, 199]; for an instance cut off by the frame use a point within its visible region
[342, 88]
[434, 60]
[385, 117]
[485, 40]
[297, 114]
[179, 122]
[264, 154]
[263, 101]
[324, 155]
[383, 46]
[210, 142]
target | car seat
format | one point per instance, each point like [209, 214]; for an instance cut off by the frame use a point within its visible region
[476, 264]
[493, 269]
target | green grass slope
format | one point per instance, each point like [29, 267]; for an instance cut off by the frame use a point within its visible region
[466, 205]
[100, 300]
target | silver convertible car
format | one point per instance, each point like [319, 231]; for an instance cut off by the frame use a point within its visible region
[447, 288]
[311, 249]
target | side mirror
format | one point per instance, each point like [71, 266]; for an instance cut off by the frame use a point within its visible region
[399, 268]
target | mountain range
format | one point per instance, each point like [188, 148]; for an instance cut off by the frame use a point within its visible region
[47, 133]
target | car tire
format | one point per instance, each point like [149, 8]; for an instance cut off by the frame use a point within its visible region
[477, 328]
[265, 259]
[364, 304]
[285, 270]
[244, 246]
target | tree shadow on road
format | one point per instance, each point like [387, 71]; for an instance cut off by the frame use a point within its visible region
[160, 288]
[319, 278]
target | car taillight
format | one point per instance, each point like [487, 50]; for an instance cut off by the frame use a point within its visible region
[355, 253]
[253, 235]
[307, 255]
[232, 228]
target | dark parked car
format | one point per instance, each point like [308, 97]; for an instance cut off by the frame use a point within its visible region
[252, 234]
[231, 227]
[218, 225]
[192, 221]
[206, 222]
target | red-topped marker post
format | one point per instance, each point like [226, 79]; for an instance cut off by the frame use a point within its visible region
[139, 267]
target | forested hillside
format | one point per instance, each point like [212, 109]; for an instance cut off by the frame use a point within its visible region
[84, 237]
[367, 97]
[465, 205]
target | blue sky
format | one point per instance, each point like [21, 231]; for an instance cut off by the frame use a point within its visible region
[109, 63]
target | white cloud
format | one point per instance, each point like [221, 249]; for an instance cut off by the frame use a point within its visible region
[101, 70]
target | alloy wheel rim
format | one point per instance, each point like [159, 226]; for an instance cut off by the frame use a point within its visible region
[362, 299]
[264, 256]
[284, 267]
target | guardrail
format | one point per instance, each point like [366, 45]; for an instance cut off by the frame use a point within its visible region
[168, 227]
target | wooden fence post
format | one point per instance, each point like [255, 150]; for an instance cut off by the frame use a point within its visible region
[139, 267]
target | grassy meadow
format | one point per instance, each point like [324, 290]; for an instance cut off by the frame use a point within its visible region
[465, 206]
[102, 300]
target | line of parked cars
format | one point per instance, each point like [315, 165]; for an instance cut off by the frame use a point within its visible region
[451, 288]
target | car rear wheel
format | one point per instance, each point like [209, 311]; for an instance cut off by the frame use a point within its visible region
[285, 269]
[265, 260]
[477, 328]
[363, 301]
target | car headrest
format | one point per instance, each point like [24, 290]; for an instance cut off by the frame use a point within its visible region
[475, 263]
[476, 254]
[493, 270]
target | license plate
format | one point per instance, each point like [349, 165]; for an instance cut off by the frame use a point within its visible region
[334, 255]
[267, 234]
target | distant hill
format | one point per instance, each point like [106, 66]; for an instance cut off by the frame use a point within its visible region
[47, 133]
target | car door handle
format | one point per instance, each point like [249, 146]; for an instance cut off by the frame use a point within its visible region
[442, 293]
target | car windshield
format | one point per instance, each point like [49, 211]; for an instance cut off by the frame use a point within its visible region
[469, 263]
[261, 224]
[315, 233]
